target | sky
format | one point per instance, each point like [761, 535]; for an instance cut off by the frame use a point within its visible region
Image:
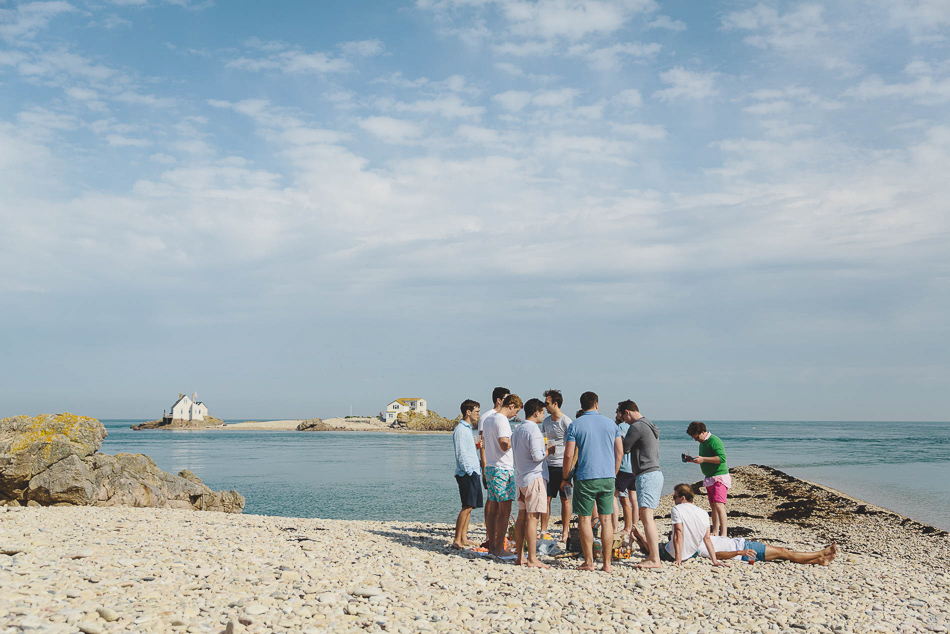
[724, 210]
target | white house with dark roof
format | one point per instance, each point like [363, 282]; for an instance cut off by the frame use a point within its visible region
[189, 408]
[404, 405]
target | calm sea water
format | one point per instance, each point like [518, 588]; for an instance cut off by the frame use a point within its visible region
[349, 475]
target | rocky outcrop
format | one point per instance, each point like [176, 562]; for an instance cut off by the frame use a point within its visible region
[179, 423]
[430, 421]
[314, 424]
[51, 460]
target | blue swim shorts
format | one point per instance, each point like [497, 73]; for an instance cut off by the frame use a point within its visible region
[759, 549]
[501, 484]
[649, 487]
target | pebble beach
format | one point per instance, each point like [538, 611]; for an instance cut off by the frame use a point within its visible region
[99, 570]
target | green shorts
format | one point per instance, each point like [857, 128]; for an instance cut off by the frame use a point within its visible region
[586, 492]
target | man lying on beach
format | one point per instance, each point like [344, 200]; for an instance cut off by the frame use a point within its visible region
[467, 472]
[498, 395]
[727, 548]
[500, 471]
[690, 529]
[527, 445]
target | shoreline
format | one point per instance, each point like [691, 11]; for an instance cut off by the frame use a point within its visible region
[158, 570]
[361, 424]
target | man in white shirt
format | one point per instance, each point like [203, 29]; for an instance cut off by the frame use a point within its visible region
[500, 471]
[690, 529]
[498, 395]
[531, 478]
[554, 428]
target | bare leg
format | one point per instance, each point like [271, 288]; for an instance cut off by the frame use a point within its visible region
[634, 531]
[565, 519]
[587, 542]
[652, 559]
[819, 557]
[607, 542]
[491, 511]
[627, 514]
[532, 539]
[545, 517]
[501, 528]
[719, 522]
[519, 535]
[461, 529]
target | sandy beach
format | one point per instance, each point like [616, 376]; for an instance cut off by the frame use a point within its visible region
[68, 569]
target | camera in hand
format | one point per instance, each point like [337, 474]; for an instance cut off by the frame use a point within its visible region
[686, 457]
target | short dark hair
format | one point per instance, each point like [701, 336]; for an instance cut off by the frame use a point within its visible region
[555, 396]
[512, 399]
[695, 428]
[589, 400]
[627, 406]
[467, 406]
[499, 392]
[532, 407]
[683, 491]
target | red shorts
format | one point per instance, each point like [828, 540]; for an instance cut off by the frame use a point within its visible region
[717, 493]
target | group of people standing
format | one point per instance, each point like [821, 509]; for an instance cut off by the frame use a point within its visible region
[601, 459]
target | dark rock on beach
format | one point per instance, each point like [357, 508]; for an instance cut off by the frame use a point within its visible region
[178, 423]
[51, 460]
[313, 424]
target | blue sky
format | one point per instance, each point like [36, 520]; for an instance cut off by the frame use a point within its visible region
[724, 210]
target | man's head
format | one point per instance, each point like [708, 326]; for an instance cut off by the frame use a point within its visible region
[534, 410]
[589, 401]
[682, 493]
[553, 400]
[695, 430]
[470, 410]
[511, 405]
[628, 411]
[498, 395]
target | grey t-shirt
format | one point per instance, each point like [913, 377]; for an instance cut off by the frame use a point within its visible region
[642, 442]
[556, 430]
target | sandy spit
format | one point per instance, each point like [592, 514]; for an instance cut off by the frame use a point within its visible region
[338, 424]
[88, 569]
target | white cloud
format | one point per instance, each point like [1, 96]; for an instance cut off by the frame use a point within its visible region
[28, 18]
[513, 100]
[555, 98]
[116, 140]
[449, 106]
[687, 84]
[391, 130]
[926, 90]
[641, 131]
[666, 22]
[292, 62]
[572, 19]
[611, 57]
[363, 48]
[629, 97]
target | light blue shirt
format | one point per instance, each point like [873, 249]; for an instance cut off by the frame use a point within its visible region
[466, 457]
[594, 436]
[527, 445]
[625, 463]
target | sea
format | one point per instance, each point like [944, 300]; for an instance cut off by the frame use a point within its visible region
[902, 466]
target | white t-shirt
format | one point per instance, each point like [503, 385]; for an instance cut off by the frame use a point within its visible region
[695, 523]
[481, 419]
[556, 430]
[494, 427]
[722, 544]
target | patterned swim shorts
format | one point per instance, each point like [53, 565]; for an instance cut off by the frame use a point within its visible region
[501, 484]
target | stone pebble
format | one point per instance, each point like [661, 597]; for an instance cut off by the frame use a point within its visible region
[162, 570]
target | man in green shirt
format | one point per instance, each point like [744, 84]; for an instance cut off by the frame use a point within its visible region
[712, 461]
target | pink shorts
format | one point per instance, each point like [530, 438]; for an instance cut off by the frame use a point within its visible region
[534, 497]
[717, 493]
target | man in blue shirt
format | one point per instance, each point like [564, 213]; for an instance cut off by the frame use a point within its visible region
[467, 473]
[600, 448]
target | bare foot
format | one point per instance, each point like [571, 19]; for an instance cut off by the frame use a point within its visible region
[646, 563]
[520, 562]
[468, 543]
[828, 554]
[457, 546]
[606, 568]
[537, 564]
[586, 566]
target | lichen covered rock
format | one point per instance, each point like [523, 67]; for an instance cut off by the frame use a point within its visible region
[51, 460]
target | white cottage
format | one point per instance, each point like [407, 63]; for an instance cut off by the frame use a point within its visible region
[403, 405]
[189, 408]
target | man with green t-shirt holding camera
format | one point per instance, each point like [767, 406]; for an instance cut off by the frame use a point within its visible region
[712, 461]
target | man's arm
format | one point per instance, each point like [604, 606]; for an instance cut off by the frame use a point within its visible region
[729, 554]
[505, 443]
[678, 543]
[537, 447]
[712, 551]
[630, 439]
[618, 454]
[702, 459]
[568, 461]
